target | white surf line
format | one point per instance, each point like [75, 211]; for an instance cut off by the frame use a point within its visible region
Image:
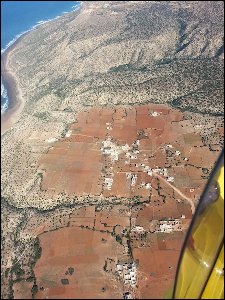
[75, 7]
[177, 190]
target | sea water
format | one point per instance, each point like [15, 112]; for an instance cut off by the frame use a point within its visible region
[18, 17]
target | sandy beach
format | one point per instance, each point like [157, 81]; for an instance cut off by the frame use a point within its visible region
[16, 103]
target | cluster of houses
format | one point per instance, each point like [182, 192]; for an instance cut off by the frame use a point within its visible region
[168, 226]
[128, 272]
[113, 150]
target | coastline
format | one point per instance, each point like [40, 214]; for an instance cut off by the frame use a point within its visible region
[15, 100]
[15, 103]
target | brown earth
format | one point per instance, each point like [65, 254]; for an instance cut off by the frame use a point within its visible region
[86, 252]
[75, 164]
[94, 239]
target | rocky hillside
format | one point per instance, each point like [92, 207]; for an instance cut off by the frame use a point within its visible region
[107, 54]
[125, 52]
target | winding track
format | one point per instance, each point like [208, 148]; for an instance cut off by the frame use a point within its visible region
[176, 190]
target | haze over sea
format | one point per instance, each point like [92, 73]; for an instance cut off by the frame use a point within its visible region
[18, 17]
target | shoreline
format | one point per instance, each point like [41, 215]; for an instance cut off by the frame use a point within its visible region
[15, 101]
[9, 80]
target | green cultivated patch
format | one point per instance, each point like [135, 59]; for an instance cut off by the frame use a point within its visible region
[64, 281]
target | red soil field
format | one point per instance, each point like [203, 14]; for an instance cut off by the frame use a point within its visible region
[22, 290]
[156, 271]
[140, 139]
[85, 252]
[75, 164]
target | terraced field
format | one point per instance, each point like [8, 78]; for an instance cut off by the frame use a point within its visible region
[122, 152]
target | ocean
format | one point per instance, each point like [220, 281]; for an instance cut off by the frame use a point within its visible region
[18, 17]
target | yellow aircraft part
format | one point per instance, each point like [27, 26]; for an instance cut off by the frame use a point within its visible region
[200, 273]
[221, 181]
[215, 285]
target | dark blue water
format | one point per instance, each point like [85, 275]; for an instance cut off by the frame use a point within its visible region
[20, 16]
